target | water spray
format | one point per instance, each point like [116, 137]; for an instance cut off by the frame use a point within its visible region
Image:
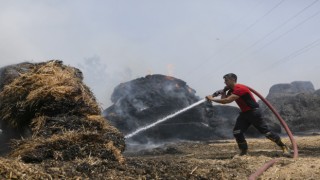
[164, 119]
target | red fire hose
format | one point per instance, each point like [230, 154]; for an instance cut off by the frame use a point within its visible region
[285, 126]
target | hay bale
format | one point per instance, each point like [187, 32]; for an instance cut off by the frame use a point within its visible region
[47, 89]
[62, 114]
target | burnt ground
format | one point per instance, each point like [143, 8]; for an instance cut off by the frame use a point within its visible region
[179, 160]
[218, 160]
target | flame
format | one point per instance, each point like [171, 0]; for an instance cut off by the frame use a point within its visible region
[170, 69]
[177, 85]
[149, 72]
[190, 90]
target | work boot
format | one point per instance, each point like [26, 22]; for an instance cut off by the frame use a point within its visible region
[243, 152]
[243, 146]
[285, 150]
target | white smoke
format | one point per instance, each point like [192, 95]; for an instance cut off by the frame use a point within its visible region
[102, 78]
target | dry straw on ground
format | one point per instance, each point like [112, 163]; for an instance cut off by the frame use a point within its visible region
[51, 100]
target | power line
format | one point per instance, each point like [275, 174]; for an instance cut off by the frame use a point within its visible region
[296, 53]
[291, 56]
[239, 35]
[286, 22]
[258, 20]
[285, 33]
[250, 12]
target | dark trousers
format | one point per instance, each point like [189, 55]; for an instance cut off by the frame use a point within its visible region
[252, 117]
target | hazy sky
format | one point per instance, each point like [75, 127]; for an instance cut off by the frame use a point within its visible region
[264, 42]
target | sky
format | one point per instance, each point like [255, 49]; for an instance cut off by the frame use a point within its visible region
[264, 42]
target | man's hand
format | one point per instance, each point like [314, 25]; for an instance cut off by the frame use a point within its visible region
[221, 91]
[209, 97]
[226, 88]
[217, 93]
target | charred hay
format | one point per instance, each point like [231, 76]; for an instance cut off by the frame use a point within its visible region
[47, 89]
[63, 116]
[144, 100]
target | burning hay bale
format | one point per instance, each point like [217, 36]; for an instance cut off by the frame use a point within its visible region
[61, 113]
[144, 100]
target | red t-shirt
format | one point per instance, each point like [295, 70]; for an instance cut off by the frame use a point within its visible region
[246, 101]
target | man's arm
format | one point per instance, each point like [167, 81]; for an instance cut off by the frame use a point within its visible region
[226, 100]
[224, 95]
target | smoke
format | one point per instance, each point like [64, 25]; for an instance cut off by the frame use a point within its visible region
[223, 119]
[135, 147]
[102, 78]
[144, 101]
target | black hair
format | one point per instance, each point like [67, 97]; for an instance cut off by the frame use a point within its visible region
[230, 75]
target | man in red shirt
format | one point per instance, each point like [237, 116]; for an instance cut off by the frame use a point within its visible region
[250, 113]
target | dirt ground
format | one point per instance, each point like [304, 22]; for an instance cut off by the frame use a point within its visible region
[180, 160]
[218, 160]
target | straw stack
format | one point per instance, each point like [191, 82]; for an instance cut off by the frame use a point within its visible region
[51, 100]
